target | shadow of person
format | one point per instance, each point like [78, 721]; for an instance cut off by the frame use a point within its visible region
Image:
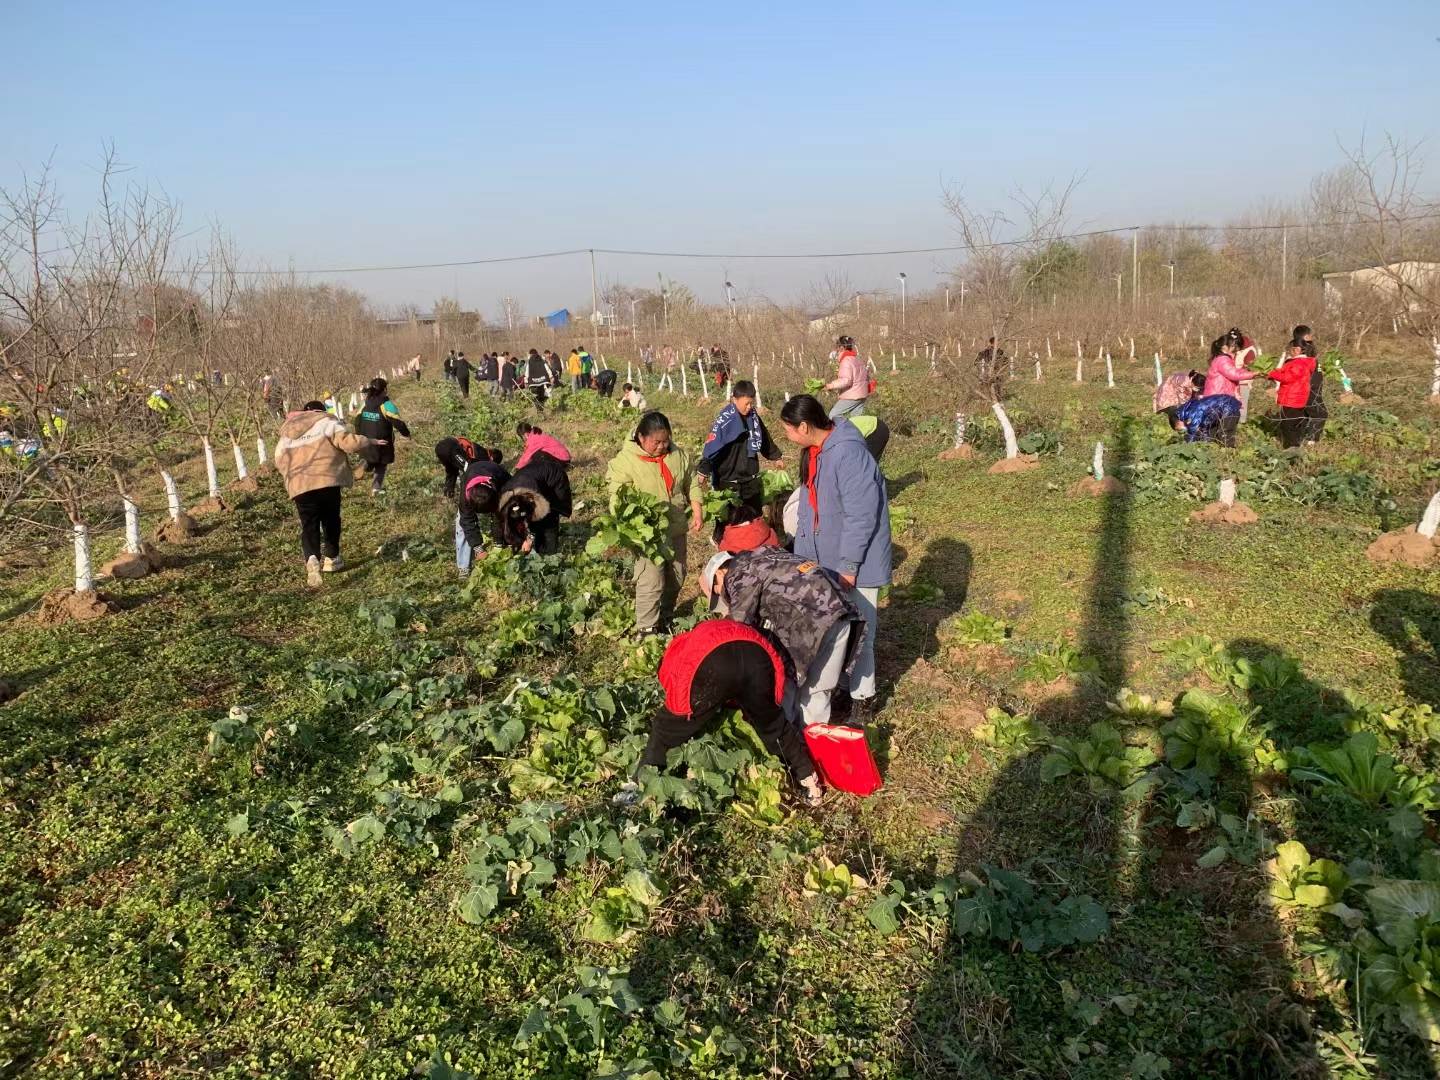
[991, 1009]
[909, 626]
[1409, 620]
[1332, 824]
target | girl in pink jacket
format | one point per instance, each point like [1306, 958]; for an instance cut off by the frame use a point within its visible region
[1225, 375]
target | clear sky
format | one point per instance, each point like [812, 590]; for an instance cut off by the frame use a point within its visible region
[366, 133]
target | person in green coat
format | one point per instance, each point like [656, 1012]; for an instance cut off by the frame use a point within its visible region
[653, 464]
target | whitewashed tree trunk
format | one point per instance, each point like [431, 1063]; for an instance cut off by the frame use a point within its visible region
[212, 478]
[629, 373]
[1159, 378]
[1012, 446]
[704, 379]
[240, 470]
[1011, 359]
[172, 494]
[755, 378]
[354, 403]
[84, 573]
[260, 449]
[1109, 371]
[1435, 371]
[893, 369]
[1132, 348]
[132, 525]
[1097, 466]
[684, 381]
[1227, 491]
[1430, 520]
[1037, 369]
[960, 424]
[1080, 370]
[1048, 354]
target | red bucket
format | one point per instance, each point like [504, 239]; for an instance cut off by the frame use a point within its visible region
[843, 757]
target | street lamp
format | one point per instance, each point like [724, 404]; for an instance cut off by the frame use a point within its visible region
[730, 296]
[1171, 267]
[902, 301]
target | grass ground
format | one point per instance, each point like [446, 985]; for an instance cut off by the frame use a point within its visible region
[180, 901]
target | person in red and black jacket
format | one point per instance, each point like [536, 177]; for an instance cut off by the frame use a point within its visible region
[455, 453]
[1293, 396]
[724, 663]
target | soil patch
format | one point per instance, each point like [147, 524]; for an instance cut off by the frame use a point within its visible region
[249, 483]
[1405, 546]
[1091, 486]
[129, 566]
[1023, 463]
[1217, 513]
[67, 606]
[964, 452]
[213, 505]
[1354, 399]
[176, 530]
[8, 691]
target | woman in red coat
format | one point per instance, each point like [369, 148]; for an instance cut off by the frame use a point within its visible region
[1293, 395]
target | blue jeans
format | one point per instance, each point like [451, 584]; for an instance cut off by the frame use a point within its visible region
[464, 553]
[847, 407]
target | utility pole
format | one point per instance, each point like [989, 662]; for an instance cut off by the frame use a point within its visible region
[962, 299]
[902, 301]
[1135, 268]
[947, 299]
[1284, 256]
[594, 292]
[730, 298]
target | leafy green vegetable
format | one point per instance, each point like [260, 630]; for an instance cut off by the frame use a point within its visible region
[1297, 879]
[1102, 758]
[638, 523]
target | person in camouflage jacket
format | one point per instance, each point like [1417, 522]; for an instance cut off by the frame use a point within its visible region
[802, 607]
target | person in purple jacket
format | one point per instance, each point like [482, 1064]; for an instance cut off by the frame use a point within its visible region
[843, 522]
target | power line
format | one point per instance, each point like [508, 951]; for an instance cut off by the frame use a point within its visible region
[944, 249]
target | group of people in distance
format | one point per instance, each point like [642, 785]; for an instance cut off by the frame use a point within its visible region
[503, 374]
[794, 641]
[1207, 407]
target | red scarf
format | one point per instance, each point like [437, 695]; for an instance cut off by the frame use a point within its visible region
[665, 473]
[813, 478]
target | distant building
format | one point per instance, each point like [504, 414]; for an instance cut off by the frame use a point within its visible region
[1383, 279]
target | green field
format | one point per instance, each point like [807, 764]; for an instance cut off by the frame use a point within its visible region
[394, 858]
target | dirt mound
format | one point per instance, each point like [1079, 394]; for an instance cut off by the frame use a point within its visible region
[213, 505]
[1217, 513]
[1091, 486]
[177, 530]
[264, 472]
[249, 483]
[1023, 463]
[66, 605]
[964, 452]
[1354, 399]
[131, 565]
[1405, 546]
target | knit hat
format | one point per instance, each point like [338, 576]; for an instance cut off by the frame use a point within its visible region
[537, 442]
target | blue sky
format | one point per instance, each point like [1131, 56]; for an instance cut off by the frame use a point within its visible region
[366, 133]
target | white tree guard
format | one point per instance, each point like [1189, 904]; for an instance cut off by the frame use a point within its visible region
[260, 449]
[172, 495]
[1080, 370]
[212, 478]
[1037, 369]
[132, 525]
[1132, 348]
[240, 470]
[1159, 378]
[1012, 446]
[960, 425]
[1097, 467]
[1109, 372]
[684, 382]
[84, 575]
[1435, 371]
[1227, 491]
[704, 379]
[1430, 520]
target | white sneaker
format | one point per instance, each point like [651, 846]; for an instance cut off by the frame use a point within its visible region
[333, 565]
[312, 572]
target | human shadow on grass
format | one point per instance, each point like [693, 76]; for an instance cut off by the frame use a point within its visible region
[1409, 619]
[1298, 712]
[909, 625]
[1156, 983]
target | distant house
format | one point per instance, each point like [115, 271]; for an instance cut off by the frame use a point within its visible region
[1383, 279]
[431, 321]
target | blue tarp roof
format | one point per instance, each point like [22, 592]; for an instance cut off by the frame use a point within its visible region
[557, 319]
